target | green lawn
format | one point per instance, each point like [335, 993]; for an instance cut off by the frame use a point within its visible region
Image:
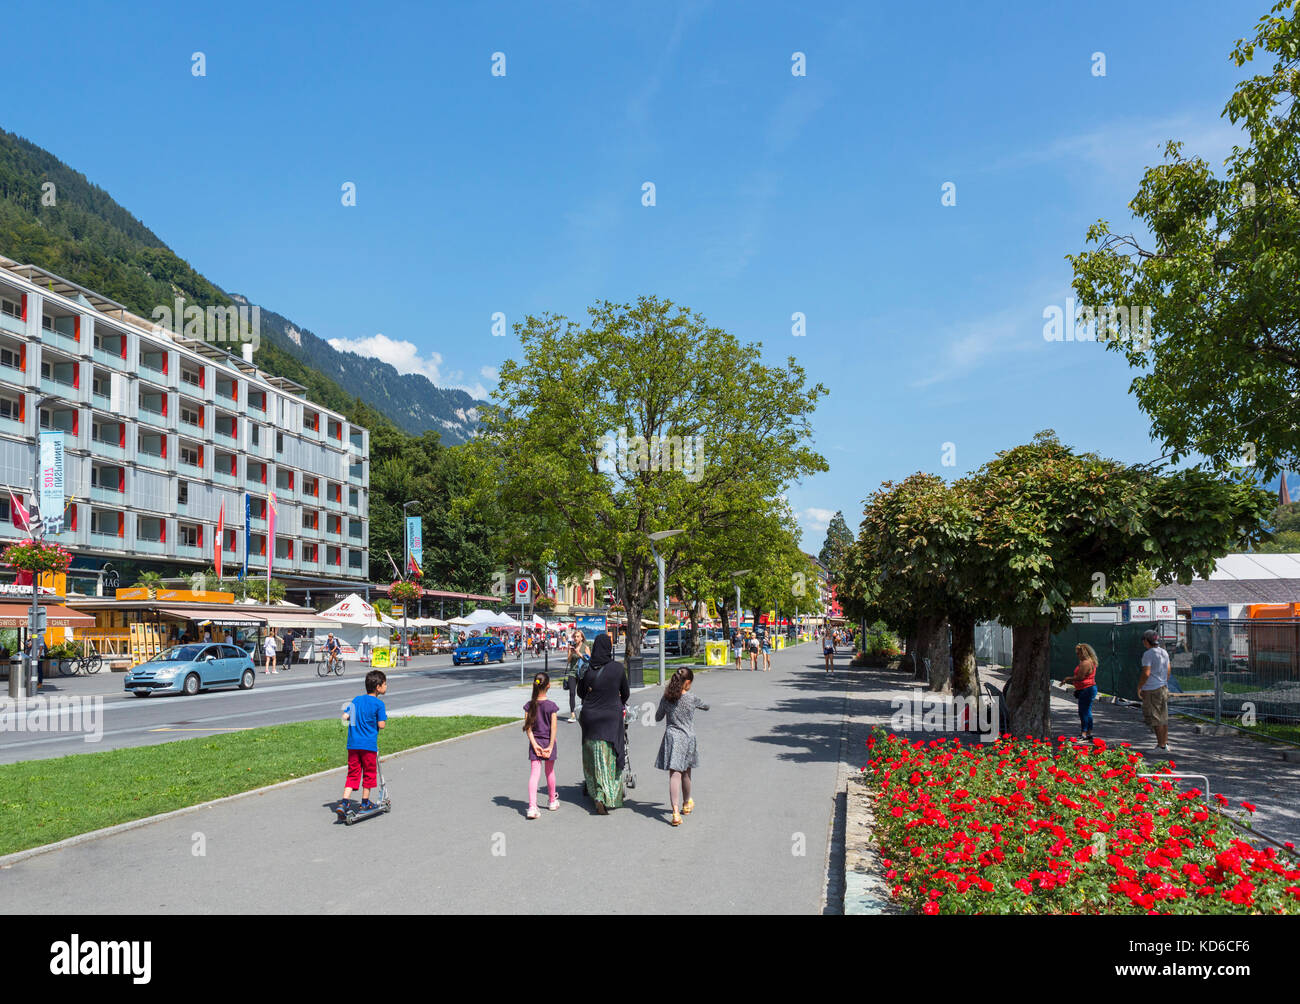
[1201, 683]
[48, 800]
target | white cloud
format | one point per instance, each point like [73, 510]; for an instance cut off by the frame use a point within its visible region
[815, 522]
[490, 374]
[405, 357]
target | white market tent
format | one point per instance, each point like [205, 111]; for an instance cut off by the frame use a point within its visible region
[359, 627]
[479, 618]
[504, 620]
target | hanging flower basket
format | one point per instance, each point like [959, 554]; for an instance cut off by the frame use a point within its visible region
[403, 592]
[36, 557]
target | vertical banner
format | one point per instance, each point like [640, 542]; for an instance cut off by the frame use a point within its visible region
[248, 529]
[271, 513]
[221, 539]
[51, 486]
[414, 545]
[552, 584]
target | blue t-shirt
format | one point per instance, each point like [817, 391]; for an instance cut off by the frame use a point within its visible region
[363, 723]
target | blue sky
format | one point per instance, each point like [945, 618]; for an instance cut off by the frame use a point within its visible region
[775, 193]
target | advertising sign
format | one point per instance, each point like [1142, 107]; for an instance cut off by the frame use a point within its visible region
[51, 486]
[414, 542]
[590, 625]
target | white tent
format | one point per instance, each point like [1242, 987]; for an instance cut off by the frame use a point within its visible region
[359, 627]
[504, 620]
[479, 618]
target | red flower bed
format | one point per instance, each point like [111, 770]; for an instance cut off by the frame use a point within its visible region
[1035, 827]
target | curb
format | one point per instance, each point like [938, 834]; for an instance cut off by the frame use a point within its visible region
[81, 838]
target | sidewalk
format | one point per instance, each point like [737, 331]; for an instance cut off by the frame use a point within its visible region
[457, 839]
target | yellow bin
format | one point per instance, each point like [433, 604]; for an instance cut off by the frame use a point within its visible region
[715, 653]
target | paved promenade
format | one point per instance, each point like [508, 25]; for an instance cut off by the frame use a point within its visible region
[457, 839]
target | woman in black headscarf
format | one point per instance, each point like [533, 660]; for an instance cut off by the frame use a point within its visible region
[604, 692]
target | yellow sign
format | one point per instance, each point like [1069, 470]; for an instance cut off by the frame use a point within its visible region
[176, 595]
[713, 610]
[381, 657]
[715, 653]
[58, 581]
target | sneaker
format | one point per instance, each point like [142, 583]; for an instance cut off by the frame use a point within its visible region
[367, 805]
[342, 806]
[555, 804]
[573, 718]
[533, 813]
[1161, 749]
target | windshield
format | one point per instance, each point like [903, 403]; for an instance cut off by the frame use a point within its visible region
[179, 653]
[475, 642]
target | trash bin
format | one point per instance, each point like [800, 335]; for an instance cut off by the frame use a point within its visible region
[635, 675]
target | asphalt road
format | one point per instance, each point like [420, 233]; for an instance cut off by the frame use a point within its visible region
[457, 839]
[296, 695]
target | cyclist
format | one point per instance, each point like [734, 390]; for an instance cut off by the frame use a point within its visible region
[333, 650]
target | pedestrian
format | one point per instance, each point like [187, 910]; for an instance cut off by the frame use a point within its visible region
[1153, 689]
[577, 652]
[739, 643]
[541, 717]
[365, 716]
[828, 650]
[765, 646]
[678, 753]
[604, 692]
[752, 644]
[1084, 682]
[268, 650]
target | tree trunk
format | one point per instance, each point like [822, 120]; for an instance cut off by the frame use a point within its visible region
[633, 629]
[910, 661]
[937, 651]
[1027, 693]
[963, 656]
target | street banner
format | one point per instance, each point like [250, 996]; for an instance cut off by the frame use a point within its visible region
[271, 513]
[51, 484]
[248, 530]
[713, 610]
[414, 545]
[552, 584]
[221, 536]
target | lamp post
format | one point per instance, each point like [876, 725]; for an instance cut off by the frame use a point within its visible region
[737, 575]
[659, 563]
[34, 617]
[406, 566]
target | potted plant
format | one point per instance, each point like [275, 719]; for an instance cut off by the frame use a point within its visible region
[36, 556]
[403, 592]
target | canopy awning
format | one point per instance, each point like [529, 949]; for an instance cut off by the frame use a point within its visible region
[300, 620]
[14, 615]
[216, 619]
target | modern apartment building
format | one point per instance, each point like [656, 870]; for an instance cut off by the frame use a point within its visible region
[160, 429]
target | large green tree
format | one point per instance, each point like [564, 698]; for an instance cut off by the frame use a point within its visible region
[646, 419]
[1219, 369]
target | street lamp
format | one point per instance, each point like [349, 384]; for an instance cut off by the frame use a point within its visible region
[655, 538]
[31, 685]
[737, 575]
[406, 570]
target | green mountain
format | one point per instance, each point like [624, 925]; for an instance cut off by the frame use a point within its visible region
[88, 238]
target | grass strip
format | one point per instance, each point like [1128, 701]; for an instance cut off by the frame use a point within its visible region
[49, 800]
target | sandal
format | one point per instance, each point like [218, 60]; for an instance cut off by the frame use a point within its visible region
[677, 820]
[686, 809]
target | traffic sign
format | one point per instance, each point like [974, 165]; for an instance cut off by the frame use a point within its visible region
[523, 587]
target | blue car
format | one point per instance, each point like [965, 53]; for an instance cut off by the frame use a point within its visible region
[187, 669]
[479, 650]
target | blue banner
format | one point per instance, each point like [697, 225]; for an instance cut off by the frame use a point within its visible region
[414, 546]
[248, 528]
[590, 625]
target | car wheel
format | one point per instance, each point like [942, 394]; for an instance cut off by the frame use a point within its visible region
[192, 684]
[247, 680]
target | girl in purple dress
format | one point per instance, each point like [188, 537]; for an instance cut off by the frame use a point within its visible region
[540, 718]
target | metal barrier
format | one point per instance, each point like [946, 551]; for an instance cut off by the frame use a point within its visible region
[1231, 672]
[993, 643]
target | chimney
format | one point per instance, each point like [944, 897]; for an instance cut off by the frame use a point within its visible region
[248, 352]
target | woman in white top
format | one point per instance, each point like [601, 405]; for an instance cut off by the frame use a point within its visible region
[268, 649]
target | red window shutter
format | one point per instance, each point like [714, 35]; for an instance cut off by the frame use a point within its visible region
[165, 394]
[122, 341]
[199, 537]
[76, 375]
[22, 407]
[162, 530]
[22, 355]
[166, 357]
[200, 458]
[76, 420]
[74, 516]
[164, 447]
[121, 479]
[203, 376]
[121, 436]
[76, 328]
[121, 524]
[24, 306]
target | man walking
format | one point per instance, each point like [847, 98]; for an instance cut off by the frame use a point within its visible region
[1153, 689]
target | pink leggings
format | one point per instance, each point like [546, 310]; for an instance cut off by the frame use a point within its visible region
[534, 771]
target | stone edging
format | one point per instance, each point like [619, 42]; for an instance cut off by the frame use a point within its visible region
[8, 860]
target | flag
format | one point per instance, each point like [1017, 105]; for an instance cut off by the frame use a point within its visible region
[221, 536]
[24, 518]
[414, 568]
[270, 540]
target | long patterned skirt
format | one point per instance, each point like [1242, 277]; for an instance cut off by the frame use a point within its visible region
[600, 769]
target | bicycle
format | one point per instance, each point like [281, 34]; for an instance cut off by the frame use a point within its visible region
[332, 663]
[90, 662]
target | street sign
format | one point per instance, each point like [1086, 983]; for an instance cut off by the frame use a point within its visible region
[523, 587]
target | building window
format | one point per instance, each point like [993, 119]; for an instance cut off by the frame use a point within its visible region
[190, 455]
[10, 408]
[279, 442]
[11, 308]
[189, 535]
[191, 377]
[190, 415]
[47, 322]
[254, 435]
[183, 492]
[10, 358]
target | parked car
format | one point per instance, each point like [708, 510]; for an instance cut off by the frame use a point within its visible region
[188, 669]
[479, 650]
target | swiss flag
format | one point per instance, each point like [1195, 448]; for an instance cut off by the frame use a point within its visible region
[24, 517]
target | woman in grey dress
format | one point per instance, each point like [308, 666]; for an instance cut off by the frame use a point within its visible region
[677, 752]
